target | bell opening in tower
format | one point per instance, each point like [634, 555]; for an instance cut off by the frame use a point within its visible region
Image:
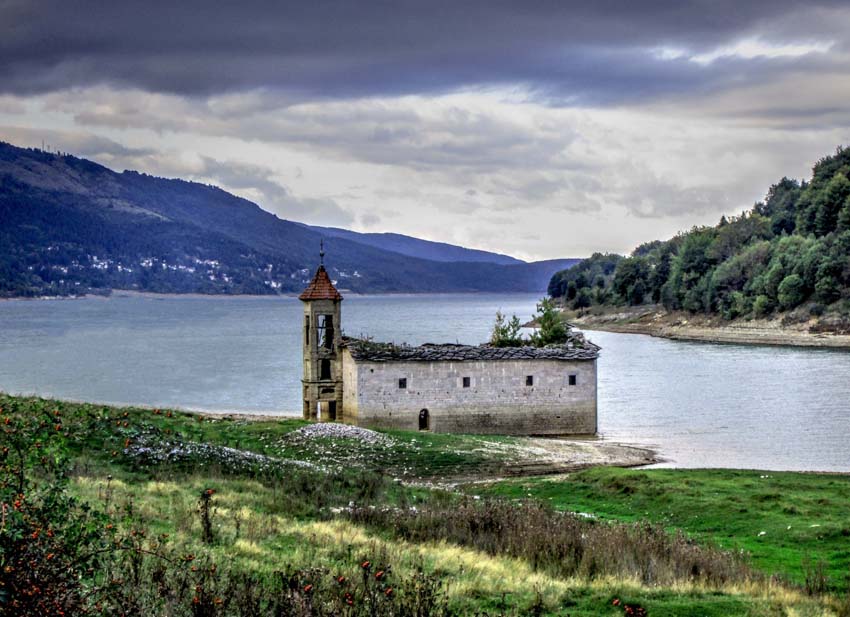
[325, 331]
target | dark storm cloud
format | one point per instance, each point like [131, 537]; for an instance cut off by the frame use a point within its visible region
[561, 51]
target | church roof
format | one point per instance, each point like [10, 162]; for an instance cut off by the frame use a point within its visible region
[577, 348]
[320, 288]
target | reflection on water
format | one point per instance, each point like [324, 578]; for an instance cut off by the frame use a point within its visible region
[699, 404]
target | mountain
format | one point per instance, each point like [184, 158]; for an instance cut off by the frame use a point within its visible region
[70, 226]
[416, 247]
[790, 254]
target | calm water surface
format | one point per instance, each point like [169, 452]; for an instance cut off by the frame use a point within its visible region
[700, 405]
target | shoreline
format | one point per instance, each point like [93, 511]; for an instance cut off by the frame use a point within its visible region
[680, 327]
[129, 293]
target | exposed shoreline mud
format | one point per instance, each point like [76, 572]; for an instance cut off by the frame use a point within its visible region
[655, 321]
[537, 456]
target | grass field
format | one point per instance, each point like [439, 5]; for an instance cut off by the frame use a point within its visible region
[790, 523]
[209, 516]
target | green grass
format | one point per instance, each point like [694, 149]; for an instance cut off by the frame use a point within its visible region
[266, 524]
[780, 518]
[254, 532]
[416, 455]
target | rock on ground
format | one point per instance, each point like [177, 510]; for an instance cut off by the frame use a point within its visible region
[341, 431]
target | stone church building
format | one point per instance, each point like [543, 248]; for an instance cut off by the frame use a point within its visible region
[442, 388]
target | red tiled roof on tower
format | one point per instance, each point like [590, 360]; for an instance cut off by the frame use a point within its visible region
[320, 288]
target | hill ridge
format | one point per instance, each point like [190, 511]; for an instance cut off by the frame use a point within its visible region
[70, 226]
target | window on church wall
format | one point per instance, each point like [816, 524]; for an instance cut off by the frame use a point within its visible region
[467, 381]
[325, 369]
[325, 331]
[573, 379]
[529, 380]
[306, 329]
[402, 383]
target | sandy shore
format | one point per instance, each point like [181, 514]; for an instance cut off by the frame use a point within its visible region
[546, 455]
[683, 327]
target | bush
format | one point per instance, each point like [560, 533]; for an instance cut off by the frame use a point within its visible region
[828, 289]
[791, 291]
[506, 333]
[762, 306]
[49, 541]
[551, 327]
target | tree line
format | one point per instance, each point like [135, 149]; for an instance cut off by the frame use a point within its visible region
[791, 249]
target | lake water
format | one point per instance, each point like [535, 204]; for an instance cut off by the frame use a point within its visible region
[699, 405]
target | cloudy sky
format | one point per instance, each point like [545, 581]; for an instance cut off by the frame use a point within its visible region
[539, 129]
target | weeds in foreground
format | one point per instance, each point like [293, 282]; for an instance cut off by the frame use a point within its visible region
[58, 556]
[77, 560]
[205, 512]
[815, 576]
[562, 544]
[189, 586]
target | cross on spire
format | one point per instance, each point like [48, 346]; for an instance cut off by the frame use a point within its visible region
[322, 252]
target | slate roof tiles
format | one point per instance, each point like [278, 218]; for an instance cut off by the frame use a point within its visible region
[576, 349]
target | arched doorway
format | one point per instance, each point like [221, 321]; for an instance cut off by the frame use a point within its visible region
[424, 420]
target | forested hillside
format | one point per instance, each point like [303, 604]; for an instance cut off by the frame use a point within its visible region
[69, 226]
[791, 251]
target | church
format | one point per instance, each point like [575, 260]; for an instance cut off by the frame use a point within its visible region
[446, 388]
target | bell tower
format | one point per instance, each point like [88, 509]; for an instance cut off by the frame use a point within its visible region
[322, 358]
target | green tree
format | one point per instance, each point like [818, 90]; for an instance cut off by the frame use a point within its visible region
[584, 299]
[660, 273]
[551, 328]
[637, 293]
[844, 217]
[631, 272]
[830, 202]
[686, 288]
[828, 286]
[791, 291]
[780, 206]
[506, 333]
[762, 306]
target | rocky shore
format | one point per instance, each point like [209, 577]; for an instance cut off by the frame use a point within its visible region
[655, 321]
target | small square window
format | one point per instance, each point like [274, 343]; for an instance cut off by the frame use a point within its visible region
[466, 382]
[402, 383]
[573, 380]
[529, 380]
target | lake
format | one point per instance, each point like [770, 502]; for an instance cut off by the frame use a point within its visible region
[699, 405]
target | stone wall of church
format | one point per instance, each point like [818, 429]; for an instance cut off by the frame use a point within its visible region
[349, 388]
[497, 399]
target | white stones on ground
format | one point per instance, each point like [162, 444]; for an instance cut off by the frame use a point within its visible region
[341, 431]
[158, 451]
